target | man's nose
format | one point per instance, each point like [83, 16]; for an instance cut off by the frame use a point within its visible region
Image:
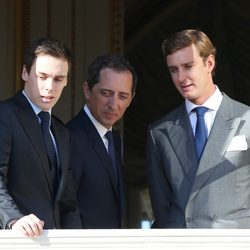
[113, 102]
[181, 76]
[49, 84]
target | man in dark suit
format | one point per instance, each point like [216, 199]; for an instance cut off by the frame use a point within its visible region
[108, 91]
[36, 194]
[198, 154]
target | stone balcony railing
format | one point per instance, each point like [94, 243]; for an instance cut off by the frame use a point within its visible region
[145, 239]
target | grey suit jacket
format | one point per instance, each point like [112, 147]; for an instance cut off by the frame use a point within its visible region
[212, 193]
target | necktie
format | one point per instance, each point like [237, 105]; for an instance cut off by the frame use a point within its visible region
[50, 148]
[200, 131]
[111, 150]
[116, 168]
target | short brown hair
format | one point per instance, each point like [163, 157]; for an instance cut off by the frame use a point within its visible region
[46, 46]
[185, 38]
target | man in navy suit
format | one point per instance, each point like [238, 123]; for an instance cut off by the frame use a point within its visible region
[31, 199]
[194, 184]
[108, 91]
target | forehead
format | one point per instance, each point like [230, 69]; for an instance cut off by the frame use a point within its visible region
[184, 55]
[47, 63]
[116, 81]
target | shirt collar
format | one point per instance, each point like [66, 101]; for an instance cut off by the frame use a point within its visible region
[100, 128]
[212, 103]
[36, 109]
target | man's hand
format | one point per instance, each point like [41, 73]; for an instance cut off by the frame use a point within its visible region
[29, 225]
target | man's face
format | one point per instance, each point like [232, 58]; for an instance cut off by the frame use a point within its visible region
[191, 75]
[46, 80]
[110, 97]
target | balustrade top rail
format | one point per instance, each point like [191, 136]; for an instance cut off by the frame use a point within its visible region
[124, 239]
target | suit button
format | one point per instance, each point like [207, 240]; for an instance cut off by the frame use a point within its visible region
[215, 216]
[188, 219]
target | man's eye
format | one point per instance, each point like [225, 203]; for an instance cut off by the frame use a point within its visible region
[172, 71]
[42, 77]
[105, 93]
[58, 79]
[123, 97]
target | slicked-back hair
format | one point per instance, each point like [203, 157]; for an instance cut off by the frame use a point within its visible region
[111, 61]
[185, 38]
[46, 46]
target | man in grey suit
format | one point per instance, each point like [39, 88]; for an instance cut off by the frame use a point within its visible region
[193, 185]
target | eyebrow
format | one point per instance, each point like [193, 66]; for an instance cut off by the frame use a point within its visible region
[45, 74]
[120, 92]
[183, 64]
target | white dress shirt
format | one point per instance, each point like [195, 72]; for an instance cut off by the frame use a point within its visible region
[37, 110]
[99, 127]
[213, 104]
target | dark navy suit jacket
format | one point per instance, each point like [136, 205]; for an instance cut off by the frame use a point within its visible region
[25, 179]
[99, 197]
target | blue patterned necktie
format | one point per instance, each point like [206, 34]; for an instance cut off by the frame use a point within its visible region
[111, 150]
[200, 131]
[50, 148]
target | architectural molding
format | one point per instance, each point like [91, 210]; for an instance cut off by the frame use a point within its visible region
[171, 239]
[20, 19]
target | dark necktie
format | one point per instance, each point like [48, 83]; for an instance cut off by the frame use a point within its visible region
[111, 150]
[50, 148]
[200, 131]
[116, 169]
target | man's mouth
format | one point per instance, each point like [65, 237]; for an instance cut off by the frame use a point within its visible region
[110, 115]
[186, 87]
[47, 98]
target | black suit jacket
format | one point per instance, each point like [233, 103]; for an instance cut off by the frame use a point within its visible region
[99, 199]
[25, 180]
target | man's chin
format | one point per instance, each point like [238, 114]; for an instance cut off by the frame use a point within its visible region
[46, 106]
[107, 125]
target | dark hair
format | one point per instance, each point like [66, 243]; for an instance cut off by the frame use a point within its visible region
[112, 61]
[185, 38]
[45, 46]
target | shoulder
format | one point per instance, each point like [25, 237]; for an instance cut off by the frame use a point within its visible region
[8, 103]
[76, 121]
[58, 124]
[81, 127]
[169, 118]
[10, 108]
[238, 108]
[57, 120]
[116, 134]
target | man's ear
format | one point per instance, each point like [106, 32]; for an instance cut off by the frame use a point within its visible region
[25, 73]
[86, 90]
[210, 62]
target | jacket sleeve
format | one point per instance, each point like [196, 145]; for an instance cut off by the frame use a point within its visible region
[159, 188]
[70, 216]
[8, 208]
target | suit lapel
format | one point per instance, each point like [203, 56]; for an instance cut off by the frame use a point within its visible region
[98, 146]
[30, 124]
[222, 132]
[182, 140]
[63, 152]
[120, 188]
